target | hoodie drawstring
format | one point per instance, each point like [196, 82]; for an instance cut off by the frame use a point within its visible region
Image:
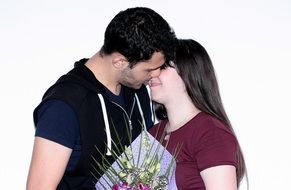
[107, 128]
[140, 111]
[108, 134]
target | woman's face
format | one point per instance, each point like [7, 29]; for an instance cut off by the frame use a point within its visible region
[167, 87]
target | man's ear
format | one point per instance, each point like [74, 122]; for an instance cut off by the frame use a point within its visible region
[119, 61]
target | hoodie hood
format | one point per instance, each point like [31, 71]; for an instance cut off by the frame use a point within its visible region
[83, 76]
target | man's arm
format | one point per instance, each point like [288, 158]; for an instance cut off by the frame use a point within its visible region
[48, 164]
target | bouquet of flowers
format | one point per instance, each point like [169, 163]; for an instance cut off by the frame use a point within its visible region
[144, 165]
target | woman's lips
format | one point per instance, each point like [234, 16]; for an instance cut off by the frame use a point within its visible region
[154, 83]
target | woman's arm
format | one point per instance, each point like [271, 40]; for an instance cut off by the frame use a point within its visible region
[221, 177]
[48, 164]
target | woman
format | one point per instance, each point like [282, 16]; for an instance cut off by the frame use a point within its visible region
[193, 120]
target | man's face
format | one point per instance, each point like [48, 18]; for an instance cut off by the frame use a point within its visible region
[142, 72]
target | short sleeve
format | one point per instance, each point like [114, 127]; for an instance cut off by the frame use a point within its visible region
[216, 147]
[57, 122]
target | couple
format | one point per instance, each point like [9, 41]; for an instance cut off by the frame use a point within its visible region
[94, 103]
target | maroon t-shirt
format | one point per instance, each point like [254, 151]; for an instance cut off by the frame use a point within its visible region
[204, 142]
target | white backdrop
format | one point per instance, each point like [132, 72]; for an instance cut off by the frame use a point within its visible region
[249, 42]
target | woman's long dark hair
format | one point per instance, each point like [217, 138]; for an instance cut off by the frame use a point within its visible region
[196, 70]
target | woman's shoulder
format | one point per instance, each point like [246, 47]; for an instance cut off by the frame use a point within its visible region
[205, 120]
[205, 123]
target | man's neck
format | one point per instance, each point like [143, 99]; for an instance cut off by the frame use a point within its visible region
[104, 72]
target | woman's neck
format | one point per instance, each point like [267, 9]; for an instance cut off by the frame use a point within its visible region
[179, 113]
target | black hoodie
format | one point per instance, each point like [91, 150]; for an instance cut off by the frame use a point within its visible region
[85, 94]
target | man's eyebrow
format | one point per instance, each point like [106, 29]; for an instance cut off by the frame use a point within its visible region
[156, 67]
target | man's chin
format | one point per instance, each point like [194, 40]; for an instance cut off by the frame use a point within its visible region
[137, 86]
[134, 86]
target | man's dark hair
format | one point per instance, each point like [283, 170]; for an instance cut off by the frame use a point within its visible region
[137, 33]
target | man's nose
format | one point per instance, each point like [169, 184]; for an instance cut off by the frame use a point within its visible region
[155, 73]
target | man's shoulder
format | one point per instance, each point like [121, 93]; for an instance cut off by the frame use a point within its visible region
[66, 90]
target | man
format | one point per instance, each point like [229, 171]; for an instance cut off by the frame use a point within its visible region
[89, 107]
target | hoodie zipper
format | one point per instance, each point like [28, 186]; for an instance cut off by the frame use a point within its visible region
[128, 116]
